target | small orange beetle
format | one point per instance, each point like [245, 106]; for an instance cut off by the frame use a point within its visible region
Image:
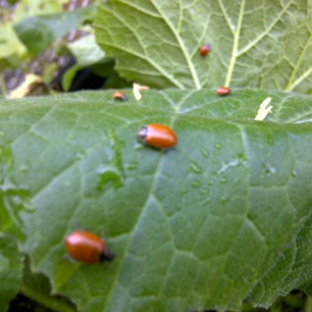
[205, 49]
[120, 96]
[88, 248]
[223, 91]
[158, 136]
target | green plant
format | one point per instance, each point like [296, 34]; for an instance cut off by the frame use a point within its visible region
[224, 216]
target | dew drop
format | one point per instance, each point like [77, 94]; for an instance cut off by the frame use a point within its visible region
[206, 201]
[23, 168]
[28, 205]
[72, 136]
[241, 156]
[196, 183]
[223, 180]
[268, 168]
[195, 168]
[80, 155]
[223, 199]
[205, 153]
[107, 175]
[138, 146]
[132, 165]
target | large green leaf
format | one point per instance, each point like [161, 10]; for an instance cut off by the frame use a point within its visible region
[224, 216]
[259, 43]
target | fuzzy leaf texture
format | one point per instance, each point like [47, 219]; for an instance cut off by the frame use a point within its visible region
[224, 216]
[261, 43]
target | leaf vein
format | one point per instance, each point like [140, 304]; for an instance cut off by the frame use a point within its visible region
[183, 47]
[266, 32]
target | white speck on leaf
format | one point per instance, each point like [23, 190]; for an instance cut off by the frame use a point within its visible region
[264, 109]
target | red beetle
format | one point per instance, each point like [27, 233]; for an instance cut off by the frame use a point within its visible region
[158, 136]
[86, 247]
[205, 49]
[120, 96]
[223, 91]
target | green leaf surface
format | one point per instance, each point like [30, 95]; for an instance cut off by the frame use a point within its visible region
[10, 271]
[224, 216]
[262, 44]
[39, 32]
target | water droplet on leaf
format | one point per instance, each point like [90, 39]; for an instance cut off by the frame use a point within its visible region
[294, 173]
[132, 165]
[205, 153]
[195, 168]
[196, 183]
[223, 180]
[108, 175]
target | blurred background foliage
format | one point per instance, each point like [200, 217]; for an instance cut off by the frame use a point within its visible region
[53, 40]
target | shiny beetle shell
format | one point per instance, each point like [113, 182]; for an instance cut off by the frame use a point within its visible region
[86, 247]
[223, 91]
[120, 96]
[205, 50]
[158, 136]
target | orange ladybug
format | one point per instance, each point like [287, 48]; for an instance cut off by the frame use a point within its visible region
[223, 91]
[158, 136]
[205, 49]
[120, 96]
[86, 247]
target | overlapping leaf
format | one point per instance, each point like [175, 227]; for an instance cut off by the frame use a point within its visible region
[263, 44]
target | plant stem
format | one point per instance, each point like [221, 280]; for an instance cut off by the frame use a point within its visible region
[308, 304]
